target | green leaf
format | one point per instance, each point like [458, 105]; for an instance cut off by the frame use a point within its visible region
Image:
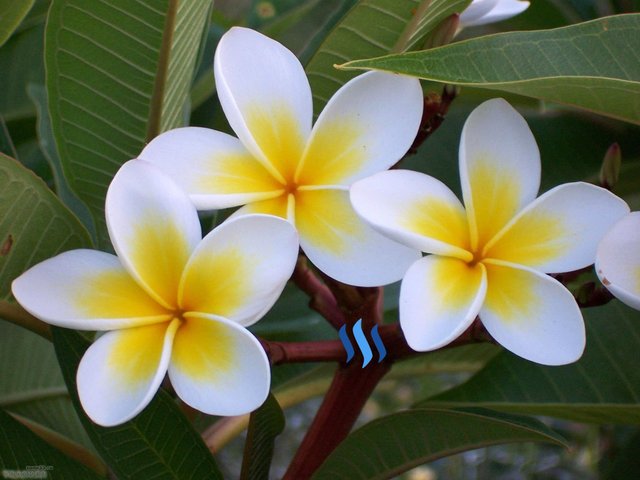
[118, 73]
[34, 224]
[159, 443]
[31, 384]
[6, 144]
[396, 443]
[38, 95]
[266, 423]
[303, 29]
[22, 452]
[601, 387]
[21, 63]
[593, 65]
[371, 28]
[13, 12]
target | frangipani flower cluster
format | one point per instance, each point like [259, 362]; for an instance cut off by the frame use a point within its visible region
[170, 301]
[618, 260]
[489, 257]
[482, 12]
[280, 165]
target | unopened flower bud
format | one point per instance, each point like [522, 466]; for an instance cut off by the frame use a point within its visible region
[610, 170]
[443, 33]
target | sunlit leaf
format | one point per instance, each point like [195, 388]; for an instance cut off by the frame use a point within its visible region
[158, 443]
[13, 12]
[118, 73]
[593, 65]
[396, 443]
[602, 387]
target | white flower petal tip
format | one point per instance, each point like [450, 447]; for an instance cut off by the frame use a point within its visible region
[219, 367]
[618, 260]
[439, 298]
[121, 372]
[532, 315]
[482, 12]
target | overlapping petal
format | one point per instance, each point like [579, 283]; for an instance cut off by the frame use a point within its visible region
[266, 98]
[560, 230]
[532, 315]
[120, 373]
[340, 244]
[366, 127]
[499, 168]
[439, 298]
[218, 367]
[153, 234]
[414, 209]
[86, 290]
[481, 12]
[618, 260]
[239, 269]
[212, 167]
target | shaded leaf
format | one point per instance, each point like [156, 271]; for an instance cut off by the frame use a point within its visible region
[21, 451]
[266, 423]
[31, 384]
[6, 144]
[396, 443]
[38, 95]
[13, 12]
[594, 65]
[159, 443]
[601, 387]
[34, 223]
[117, 74]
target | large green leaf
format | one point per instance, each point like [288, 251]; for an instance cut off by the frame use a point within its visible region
[34, 225]
[118, 73]
[603, 386]
[31, 384]
[266, 423]
[159, 443]
[13, 12]
[372, 28]
[593, 65]
[393, 444]
[22, 453]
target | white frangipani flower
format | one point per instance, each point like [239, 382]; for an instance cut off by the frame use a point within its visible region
[481, 12]
[489, 257]
[618, 260]
[170, 301]
[280, 165]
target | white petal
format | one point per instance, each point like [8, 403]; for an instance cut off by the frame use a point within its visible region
[439, 298]
[560, 230]
[240, 268]
[121, 372]
[618, 260]
[86, 290]
[503, 10]
[266, 97]
[499, 168]
[154, 228]
[212, 167]
[476, 10]
[532, 315]
[414, 209]
[342, 245]
[367, 126]
[219, 367]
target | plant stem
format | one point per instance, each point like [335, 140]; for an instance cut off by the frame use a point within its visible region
[347, 394]
[18, 315]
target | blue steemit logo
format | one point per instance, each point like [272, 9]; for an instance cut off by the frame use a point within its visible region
[362, 343]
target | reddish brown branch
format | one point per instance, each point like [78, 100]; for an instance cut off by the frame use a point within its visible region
[302, 352]
[321, 298]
